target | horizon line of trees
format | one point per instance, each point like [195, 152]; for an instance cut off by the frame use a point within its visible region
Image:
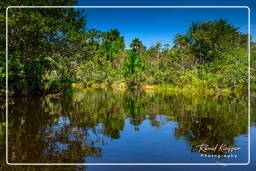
[49, 49]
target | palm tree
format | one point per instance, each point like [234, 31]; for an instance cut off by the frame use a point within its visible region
[134, 65]
[137, 46]
[112, 43]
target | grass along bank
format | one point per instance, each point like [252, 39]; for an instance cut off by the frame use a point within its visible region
[188, 90]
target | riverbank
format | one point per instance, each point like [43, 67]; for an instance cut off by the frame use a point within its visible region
[189, 90]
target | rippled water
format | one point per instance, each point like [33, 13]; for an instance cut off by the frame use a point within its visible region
[104, 126]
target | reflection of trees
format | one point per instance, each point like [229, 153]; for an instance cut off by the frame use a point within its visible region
[35, 135]
[253, 108]
[70, 129]
[2, 131]
[134, 106]
[211, 122]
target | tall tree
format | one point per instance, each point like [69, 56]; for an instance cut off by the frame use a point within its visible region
[209, 40]
[112, 44]
[137, 46]
[134, 64]
[39, 39]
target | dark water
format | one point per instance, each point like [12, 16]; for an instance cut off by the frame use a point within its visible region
[98, 126]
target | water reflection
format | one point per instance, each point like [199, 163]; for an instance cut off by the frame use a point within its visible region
[104, 125]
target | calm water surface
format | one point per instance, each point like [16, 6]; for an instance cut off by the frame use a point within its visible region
[104, 126]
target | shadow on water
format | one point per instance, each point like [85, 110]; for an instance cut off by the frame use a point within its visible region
[92, 124]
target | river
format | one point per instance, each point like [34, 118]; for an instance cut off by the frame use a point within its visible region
[106, 126]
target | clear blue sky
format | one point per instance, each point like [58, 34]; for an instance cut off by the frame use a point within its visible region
[160, 25]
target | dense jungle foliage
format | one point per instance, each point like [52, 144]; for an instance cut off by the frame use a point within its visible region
[50, 49]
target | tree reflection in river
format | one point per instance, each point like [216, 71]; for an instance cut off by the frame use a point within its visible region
[71, 129]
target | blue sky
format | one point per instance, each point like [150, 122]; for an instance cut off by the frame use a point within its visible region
[161, 25]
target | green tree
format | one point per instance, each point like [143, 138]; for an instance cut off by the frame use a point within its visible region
[38, 41]
[137, 46]
[112, 44]
[134, 64]
[208, 40]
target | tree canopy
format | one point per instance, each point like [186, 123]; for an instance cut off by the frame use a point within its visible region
[49, 49]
